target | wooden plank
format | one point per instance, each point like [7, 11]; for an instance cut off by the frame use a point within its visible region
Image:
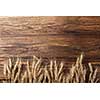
[59, 37]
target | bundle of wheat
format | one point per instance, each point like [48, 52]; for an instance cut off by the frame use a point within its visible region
[80, 73]
[51, 73]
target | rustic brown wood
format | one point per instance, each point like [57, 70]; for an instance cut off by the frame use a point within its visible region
[59, 37]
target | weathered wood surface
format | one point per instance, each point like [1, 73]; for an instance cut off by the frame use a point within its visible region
[60, 37]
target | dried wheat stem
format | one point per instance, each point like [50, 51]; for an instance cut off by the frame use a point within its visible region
[8, 72]
[51, 68]
[90, 66]
[61, 67]
[81, 58]
[36, 69]
[5, 69]
[46, 74]
[37, 65]
[18, 73]
[60, 77]
[10, 63]
[33, 65]
[40, 78]
[24, 76]
[94, 75]
[39, 72]
[84, 75]
[28, 71]
[77, 62]
[55, 70]
[14, 69]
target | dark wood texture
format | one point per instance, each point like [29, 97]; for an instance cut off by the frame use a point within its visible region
[60, 37]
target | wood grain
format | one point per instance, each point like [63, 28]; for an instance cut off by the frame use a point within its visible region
[50, 37]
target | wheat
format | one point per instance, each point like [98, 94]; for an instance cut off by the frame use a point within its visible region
[53, 72]
[78, 72]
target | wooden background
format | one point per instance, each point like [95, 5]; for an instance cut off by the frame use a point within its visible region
[63, 38]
